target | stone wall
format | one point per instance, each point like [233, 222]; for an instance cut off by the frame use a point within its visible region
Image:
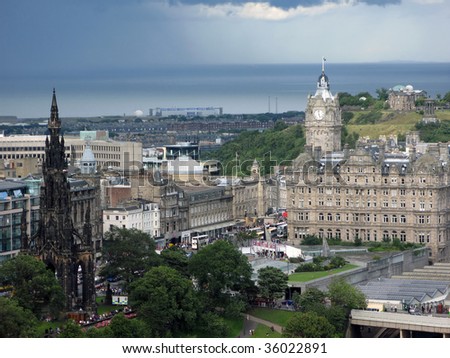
[395, 264]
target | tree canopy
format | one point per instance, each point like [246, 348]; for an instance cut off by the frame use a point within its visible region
[35, 287]
[218, 267]
[272, 282]
[308, 325]
[165, 301]
[343, 294]
[177, 259]
[270, 148]
[16, 322]
[128, 253]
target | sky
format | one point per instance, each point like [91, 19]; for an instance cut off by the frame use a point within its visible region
[61, 36]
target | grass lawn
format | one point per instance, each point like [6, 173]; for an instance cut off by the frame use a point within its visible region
[262, 331]
[308, 276]
[391, 123]
[279, 317]
[234, 326]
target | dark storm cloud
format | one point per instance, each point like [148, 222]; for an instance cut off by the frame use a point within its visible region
[284, 4]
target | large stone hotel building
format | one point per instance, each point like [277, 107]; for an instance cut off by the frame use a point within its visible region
[370, 193]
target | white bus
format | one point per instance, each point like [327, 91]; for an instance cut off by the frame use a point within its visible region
[199, 241]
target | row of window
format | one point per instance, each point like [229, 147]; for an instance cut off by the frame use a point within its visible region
[359, 203]
[358, 191]
[366, 235]
[359, 217]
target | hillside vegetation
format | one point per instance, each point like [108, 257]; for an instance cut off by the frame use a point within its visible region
[269, 148]
[362, 116]
[390, 122]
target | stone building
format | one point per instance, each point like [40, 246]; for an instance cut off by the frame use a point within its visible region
[403, 98]
[134, 214]
[323, 123]
[368, 194]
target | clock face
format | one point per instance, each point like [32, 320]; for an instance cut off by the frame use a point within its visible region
[319, 114]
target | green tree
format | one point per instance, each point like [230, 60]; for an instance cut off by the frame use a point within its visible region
[165, 301]
[446, 98]
[72, 330]
[312, 299]
[349, 138]
[177, 259]
[383, 94]
[311, 240]
[272, 282]
[277, 146]
[337, 261]
[128, 253]
[218, 267]
[343, 294]
[337, 316]
[308, 325]
[243, 238]
[211, 325]
[122, 327]
[35, 287]
[347, 116]
[16, 322]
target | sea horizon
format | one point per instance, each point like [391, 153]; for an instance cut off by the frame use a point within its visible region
[237, 88]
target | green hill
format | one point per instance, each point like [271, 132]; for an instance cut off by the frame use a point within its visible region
[389, 122]
[283, 144]
[269, 148]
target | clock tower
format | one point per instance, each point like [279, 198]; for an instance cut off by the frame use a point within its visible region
[323, 117]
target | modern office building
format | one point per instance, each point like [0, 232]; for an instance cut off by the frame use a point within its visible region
[108, 153]
[17, 202]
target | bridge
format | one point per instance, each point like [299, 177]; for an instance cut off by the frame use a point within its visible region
[389, 324]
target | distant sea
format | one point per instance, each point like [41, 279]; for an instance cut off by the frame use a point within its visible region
[237, 89]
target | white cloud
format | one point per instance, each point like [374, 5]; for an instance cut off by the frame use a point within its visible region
[266, 11]
[428, 2]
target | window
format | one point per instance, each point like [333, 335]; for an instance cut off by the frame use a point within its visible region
[402, 236]
[321, 217]
[403, 219]
[385, 218]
